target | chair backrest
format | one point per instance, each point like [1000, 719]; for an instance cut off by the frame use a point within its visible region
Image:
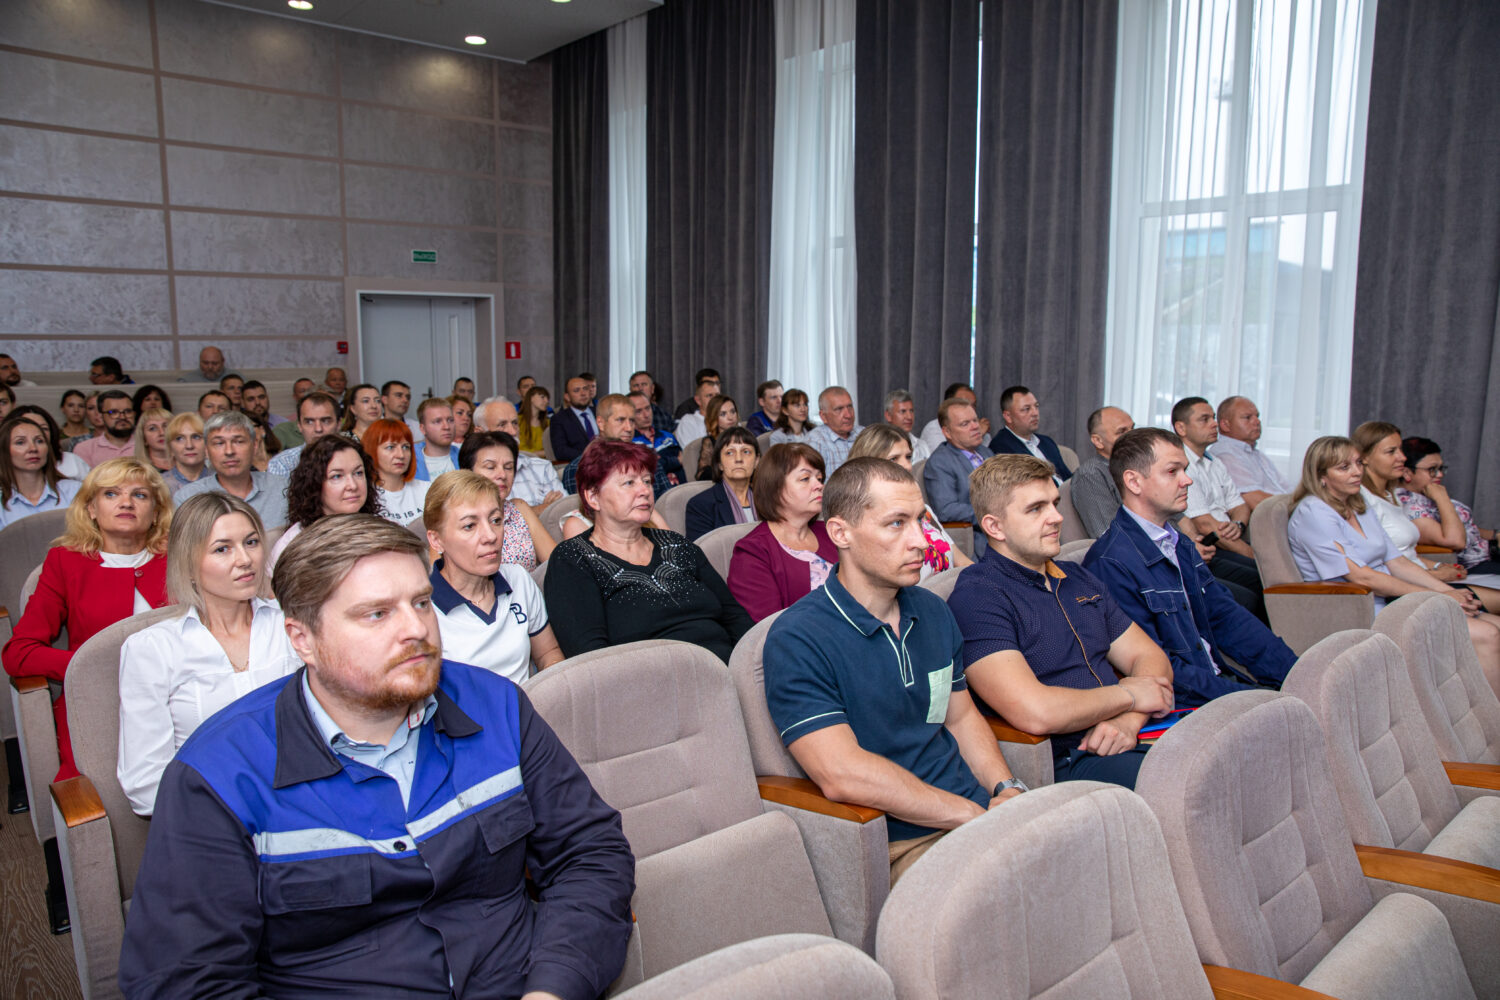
[1458, 703]
[547, 445]
[1263, 862]
[1072, 528]
[764, 440]
[24, 545]
[942, 583]
[656, 728]
[689, 458]
[92, 684]
[916, 470]
[768, 754]
[1273, 553]
[1069, 457]
[781, 967]
[949, 929]
[1391, 781]
[1076, 550]
[552, 516]
[539, 574]
[672, 505]
[719, 543]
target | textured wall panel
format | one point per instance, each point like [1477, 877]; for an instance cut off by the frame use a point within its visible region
[108, 30]
[273, 353]
[202, 241]
[83, 166]
[61, 354]
[390, 72]
[526, 92]
[218, 307]
[267, 51]
[385, 252]
[231, 116]
[210, 178]
[418, 196]
[57, 302]
[51, 92]
[526, 206]
[525, 155]
[54, 232]
[528, 316]
[416, 140]
[528, 259]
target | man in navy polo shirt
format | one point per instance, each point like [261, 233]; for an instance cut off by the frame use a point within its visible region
[1043, 643]
[863, 676]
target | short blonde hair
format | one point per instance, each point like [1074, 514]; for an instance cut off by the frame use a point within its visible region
[189, 418]
[141, 451]
[192, 529]
[81, 532]
[1322, 455]
[453, 489]
[877, 440]
[991, 485]
[311, 568]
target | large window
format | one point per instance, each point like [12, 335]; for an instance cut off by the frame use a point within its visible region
[1239, 155]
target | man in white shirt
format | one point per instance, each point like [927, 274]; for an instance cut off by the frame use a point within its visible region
[932, 431]
[395, 396]
[537, 481]
[835, 435]
[317, 417]
[438, 454]
[230, 437]
[10, 373]
[901, 412]
[1254, 475]
[1214, 504]
[695, 425]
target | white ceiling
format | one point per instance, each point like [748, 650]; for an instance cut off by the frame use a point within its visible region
[519, 30]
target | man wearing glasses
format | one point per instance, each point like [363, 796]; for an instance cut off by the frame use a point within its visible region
[1254, 475]
[118, 439]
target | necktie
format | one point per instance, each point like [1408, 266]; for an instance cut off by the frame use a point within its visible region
[589, 426]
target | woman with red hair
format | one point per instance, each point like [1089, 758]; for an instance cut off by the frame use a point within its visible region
[402, 497]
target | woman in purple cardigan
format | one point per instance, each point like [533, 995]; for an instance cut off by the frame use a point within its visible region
[788, 555]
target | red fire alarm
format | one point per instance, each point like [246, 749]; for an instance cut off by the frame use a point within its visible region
[343, 347]
[512, 350]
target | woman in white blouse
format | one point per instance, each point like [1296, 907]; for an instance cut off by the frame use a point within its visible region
[232, 639]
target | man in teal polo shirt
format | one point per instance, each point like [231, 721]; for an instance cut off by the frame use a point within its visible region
[865, 680]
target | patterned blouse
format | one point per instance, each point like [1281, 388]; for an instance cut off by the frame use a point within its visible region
[1421, 505]
[939, 545]
[517, 547]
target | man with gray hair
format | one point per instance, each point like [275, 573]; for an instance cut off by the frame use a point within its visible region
[536, 481]
[383, 819]
[230, 439]
[901, 413]
[210, 366]
[835, 435]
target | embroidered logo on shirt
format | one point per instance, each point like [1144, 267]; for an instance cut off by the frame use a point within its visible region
[1091, 599]
[521, 618]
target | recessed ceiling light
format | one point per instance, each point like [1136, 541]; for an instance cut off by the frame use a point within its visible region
[476, 39]
[561, 1]
[299, 4]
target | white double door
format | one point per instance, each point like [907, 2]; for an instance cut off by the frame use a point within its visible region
[425, 342]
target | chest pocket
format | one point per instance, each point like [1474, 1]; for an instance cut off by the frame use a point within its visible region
[506, 823]
[321, 884]
[939, 687]
[1161, 602]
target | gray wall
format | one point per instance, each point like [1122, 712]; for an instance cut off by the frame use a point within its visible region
[174, 173]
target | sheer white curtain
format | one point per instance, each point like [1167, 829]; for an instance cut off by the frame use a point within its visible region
[1238, 177]
[627, 201]
[812, 335]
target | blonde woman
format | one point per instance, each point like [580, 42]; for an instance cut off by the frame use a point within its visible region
[230, 640]
[189, 453]
[151, 440]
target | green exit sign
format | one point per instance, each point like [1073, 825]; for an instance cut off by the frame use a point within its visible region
[424, 256]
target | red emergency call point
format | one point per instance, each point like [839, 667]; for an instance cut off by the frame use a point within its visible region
[512, 350]
[343, 347]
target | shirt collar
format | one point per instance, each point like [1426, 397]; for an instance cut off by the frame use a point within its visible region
[257, 605]
[855, 613]
[449, 600]
[1005, 566]
[1233, 443]
[17, 496]
[1155, 534]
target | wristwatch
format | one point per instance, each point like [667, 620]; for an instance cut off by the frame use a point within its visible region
[1009, 783]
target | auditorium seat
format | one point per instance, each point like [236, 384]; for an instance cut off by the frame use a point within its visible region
[24, 545]
[689, 458]
[1301, 612]
[36, 727]
[672, 505]
[783, 967]
[719, 543]
[1076, 550]
[1072, 528]
[552, 516]
[764, 440]
[1069, 457]
[1272, 881]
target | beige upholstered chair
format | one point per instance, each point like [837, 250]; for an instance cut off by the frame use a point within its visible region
[942, 584]
[1075, 551]
[1072, 528]
[764, 440]
[539, 574]
[784, 967]
[916, 471]
[719, 543]
[656, 727]
[1069, 457]
[1300, 612]
[1456, 701]
[100, 839]
[552, 516]
[1268, 875]
[31, 700]
[689, 458]
[23, 545]
[672, 505]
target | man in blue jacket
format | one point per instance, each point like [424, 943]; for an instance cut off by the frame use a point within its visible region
[1156, 575]
[371, 825]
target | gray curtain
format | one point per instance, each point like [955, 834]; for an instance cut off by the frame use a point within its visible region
[915, 117]
[1046, 135]
[580, 208]
[1427, 298]
[710, 103]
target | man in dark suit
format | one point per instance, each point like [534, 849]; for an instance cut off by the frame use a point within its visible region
[946, 474]
[573, 426]
[1022, 415]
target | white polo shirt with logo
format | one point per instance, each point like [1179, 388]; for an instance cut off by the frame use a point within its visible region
[500, 641]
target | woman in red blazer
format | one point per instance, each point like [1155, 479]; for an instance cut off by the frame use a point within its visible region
[109, 564]
[788, 554]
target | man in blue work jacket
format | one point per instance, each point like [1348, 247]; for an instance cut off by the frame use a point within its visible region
[1156, 575]
[369, 826]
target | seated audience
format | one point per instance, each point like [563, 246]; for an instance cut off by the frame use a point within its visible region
[7, 401]
[463, 418]
[106, 370]
[211, 403]
[1335, 536]
[1044, 644]
[722, 414]
[68, 464]
[493, 454]
[150, 397]
[692, 426]
[110, 563]
[436, 452]
[763, 420]
[233, 386]
[932, 431]
[335, 381]
[463, 388]
[29, 478]
[335, 476]
[835, 436]
[693, 404]
[537, 481]
[732, 461]
[659, 441]
[622, 580]
[210, 366]
[189, 457]
[289, 432]
[230, 641]
[400, 496]
[469, 854]
[946, 474]
[151, 439]
[317, 417]
[1094, 494]
[573, 426]
[1426, 501]
[10, 375]
[616, 422]
[793, 425]
[362, 408]
[536, 404]
[864, 680]
[593, 387]
[523, 384]
[490, 612]
[118, 438]
[893, 444]
[255, 403]
[661, 418]
[901, 413]
[1023, 415]
[788, 554]
[1255, 476]
[230, 441]
[395, 403]
[92, 417]
[1157, 576]
[72, 406]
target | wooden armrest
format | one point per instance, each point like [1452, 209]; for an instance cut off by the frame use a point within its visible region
[1006, 733]
[958, 524]
[1236, 984]
[26, 685]
[78, 801]
[1473, 775]
[1429, 871]
[4, 611]
[1317, 588]
[799, 793]
[1434, 550]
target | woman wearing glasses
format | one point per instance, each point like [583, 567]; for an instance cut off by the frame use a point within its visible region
[1441, 519]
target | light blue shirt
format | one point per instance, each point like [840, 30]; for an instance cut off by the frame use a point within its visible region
[267, 495]
[834, 449]
[51, 499]
[1163, 537]
[398, 758]
[283, 462]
